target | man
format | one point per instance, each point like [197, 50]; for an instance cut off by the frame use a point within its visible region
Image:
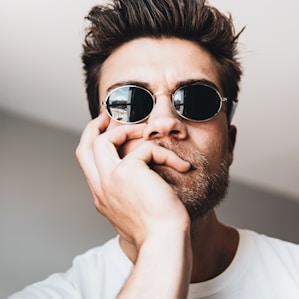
[164, 76]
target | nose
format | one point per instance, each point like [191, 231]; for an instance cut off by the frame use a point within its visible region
[164, 121]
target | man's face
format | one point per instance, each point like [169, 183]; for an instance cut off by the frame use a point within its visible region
[163, 65]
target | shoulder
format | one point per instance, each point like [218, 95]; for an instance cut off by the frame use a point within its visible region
[262, 239]
[268, 247]
[104, 260]
[97, 273]
[272, 265]
[97, 253]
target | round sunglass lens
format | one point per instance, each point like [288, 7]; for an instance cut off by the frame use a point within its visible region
[197, 102]
[129, 104]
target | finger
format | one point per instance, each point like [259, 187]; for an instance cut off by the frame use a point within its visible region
[118, 136]
[84, 151]
[105, 145]
[95, 127]
[152, 153]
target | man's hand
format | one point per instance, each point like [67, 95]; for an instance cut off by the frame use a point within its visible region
[141, 206]
[132, 196]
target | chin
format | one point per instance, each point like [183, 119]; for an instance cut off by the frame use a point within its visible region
[199, 190]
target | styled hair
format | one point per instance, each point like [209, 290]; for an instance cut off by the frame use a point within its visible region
[119, 21]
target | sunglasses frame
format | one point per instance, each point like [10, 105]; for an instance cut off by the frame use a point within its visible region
[172, 94]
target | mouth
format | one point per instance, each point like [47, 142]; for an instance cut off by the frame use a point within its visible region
[180, 149]
[170, 175]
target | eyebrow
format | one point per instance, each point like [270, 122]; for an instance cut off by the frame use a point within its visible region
[129, 82]
[146, 85]
[196, 81]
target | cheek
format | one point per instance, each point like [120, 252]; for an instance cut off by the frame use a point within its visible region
[219, 151]
[215, 151]
[213, 143]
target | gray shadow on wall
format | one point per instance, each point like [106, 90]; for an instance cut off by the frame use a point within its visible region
[248, 206]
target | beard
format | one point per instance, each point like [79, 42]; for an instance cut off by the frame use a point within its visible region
[201, 188]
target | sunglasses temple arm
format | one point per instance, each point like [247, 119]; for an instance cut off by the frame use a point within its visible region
[232, 110]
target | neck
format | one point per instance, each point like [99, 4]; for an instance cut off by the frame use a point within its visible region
[213, 245]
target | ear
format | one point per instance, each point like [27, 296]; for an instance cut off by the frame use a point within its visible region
[232, 135]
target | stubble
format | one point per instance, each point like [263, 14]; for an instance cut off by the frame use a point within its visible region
[200, 189]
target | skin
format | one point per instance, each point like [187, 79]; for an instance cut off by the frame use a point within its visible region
[168, 250]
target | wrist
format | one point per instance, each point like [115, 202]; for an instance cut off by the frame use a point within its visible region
[163, 266]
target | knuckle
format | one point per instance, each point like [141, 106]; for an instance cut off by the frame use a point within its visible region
[99, 206]
[120, 173]
[78, 152]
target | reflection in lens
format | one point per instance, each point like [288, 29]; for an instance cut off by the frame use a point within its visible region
[118, 104]
[129, 104]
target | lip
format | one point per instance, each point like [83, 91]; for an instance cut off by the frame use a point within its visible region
[165, 167]
[170, 175]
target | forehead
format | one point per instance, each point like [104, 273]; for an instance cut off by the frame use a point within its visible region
[161, 63]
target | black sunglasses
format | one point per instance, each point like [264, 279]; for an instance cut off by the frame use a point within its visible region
[133, 104]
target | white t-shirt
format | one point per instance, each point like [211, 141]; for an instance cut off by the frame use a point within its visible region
[262, 268]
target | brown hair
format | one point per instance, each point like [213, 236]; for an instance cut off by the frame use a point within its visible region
[120, 21]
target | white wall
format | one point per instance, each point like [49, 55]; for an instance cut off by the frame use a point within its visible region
[47, 215]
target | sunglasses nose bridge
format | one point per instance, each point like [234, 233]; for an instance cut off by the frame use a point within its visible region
[165, 92]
